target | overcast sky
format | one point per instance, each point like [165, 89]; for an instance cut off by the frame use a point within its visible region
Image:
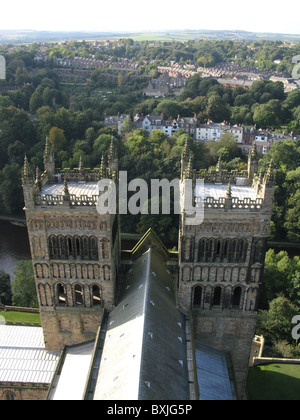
[154, 15]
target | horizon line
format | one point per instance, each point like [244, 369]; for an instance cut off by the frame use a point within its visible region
[127, 31]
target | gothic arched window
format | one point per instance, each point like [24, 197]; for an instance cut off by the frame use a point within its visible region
[85, 248]
[61, 294]
[197, 296]
[9, 396]
[236, 298]
[93, 248]
[96, 295]
[78, 295]
[217, 296]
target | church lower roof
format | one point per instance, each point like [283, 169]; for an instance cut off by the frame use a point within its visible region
[23, 357]
[144, 355]
[214, 382]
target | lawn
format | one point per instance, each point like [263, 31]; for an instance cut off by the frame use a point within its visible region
[20, 317]
[274, 382]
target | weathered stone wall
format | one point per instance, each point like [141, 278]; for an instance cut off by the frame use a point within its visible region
[69, 327]
[231, 331]
[221, 265]
[74, 253]
[23, 391]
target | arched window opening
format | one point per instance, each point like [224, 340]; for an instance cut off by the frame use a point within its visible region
[197, 297]
[85, 248]
[9, 396]
[202, 250]
[236, 299]
[51, 245]
[96, 296]
[78, 295]
[244, 250]
[77, 247]
[61, 247]
[226, 251]
[70, 247]
[218, 250]
[217, 296]
[61, 295]
[94, 248]
[210, 250]
[234, 250]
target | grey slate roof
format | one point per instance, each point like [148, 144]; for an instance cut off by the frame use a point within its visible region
[144, 355]
[212, 371]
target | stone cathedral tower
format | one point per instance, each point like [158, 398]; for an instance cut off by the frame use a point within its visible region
[221, 260]
[75, 250]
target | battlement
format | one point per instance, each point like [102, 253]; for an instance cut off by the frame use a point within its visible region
[223, 176]
[77, 174]
[233, 203]
[73, 194]
[60, 200]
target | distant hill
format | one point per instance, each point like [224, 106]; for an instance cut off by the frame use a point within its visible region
[27, 36]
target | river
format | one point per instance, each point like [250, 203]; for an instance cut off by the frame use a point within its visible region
[14, 246]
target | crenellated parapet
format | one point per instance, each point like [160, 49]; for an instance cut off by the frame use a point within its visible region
[49, 200]
[235, 203]
[223, 176]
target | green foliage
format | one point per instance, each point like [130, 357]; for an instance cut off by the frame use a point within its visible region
[11, 194]
[5, 288]
[275, 324]
[280, 276]
[23, 287]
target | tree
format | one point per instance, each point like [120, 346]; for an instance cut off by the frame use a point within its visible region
[268, 115]
[5, 101]
[16, 152]
[275, 324]
[169, 108]
[217, 109]
[278, 273]
[292, 218]
[57, 139]
[293, 98]
[294, 291]
[120, 79]
[64, 120]
[36, 102]
[127, 126]
[5, 288]
[23, 287]
[11, 195]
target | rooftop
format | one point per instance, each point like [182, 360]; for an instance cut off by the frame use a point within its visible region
[145, 345]
[218, 190]
[78, 189]
[212, 373]
[23, 357]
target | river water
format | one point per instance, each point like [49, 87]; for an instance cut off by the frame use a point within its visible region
[14, 246]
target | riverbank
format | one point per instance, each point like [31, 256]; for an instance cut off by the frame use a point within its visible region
[274, 244]
[18, 220]
[292, 248]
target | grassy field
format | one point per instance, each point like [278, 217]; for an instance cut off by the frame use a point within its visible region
[274, 382]
[20, 317]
